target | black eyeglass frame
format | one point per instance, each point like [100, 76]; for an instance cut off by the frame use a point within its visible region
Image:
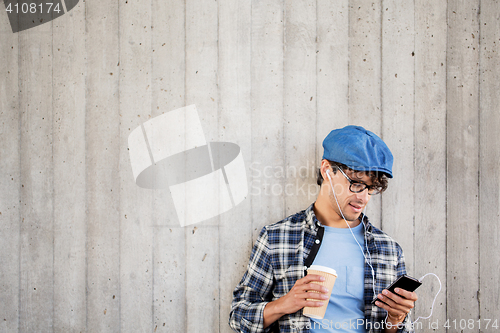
[373, 188]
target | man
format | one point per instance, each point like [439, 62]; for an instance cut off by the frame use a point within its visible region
[332, 232]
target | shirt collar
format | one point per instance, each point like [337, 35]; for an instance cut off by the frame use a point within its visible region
[364, 219]
[313, 222]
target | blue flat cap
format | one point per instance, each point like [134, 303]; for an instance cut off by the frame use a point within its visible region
[359, 149]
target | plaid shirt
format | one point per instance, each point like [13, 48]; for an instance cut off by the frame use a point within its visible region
[277, 262]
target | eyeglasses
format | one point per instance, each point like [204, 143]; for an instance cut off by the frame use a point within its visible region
[358, 187]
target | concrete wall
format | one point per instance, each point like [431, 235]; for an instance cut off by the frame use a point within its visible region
[84, 249]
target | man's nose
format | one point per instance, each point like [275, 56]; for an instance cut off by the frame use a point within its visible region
[363, 196]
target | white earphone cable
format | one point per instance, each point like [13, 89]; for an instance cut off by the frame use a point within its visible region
[435, 297]
[369, 255]
[410, 323]
[350, 229]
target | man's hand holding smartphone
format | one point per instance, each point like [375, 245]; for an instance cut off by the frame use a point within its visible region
[398, 299]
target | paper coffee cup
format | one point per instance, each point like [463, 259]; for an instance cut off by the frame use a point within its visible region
[330, 276]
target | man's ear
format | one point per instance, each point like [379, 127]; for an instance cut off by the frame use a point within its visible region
[325, 165]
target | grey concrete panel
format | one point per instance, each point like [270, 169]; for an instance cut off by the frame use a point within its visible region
[201, 68]
[462, 131]
[168, 93]
[10, 179]
[489, 196]
[136, 213]
[267, 113]
[168, 82]
[70, 222]
[202, 279]
[300, 118]
[235, 125]
[202, 246]
[103, 142]
[430, 157]
[332, 69]
[170, 302]
[398, 77]
[37, 176]
[365, 38]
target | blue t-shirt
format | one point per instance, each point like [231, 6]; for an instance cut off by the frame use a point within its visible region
[345, 311]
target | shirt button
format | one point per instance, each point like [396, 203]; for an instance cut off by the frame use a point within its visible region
[317, 241]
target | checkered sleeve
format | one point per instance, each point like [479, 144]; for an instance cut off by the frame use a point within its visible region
[253, 292]
[401, 270]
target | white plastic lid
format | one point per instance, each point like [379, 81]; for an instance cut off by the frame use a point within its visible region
[323, 269]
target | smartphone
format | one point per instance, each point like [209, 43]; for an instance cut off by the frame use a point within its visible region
[405, 282]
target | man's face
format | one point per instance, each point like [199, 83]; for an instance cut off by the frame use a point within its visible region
[351, 204]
